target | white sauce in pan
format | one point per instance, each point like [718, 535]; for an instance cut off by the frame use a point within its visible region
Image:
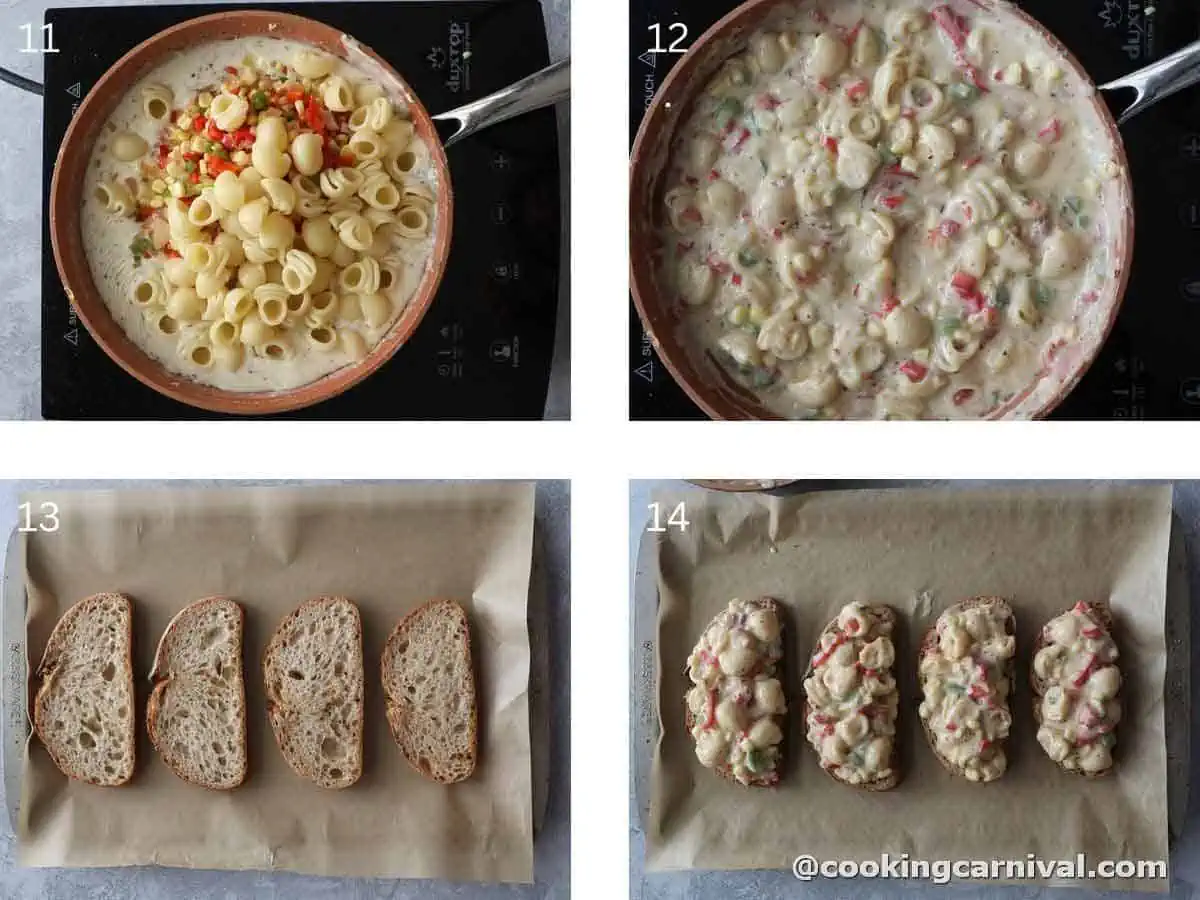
[891, 210]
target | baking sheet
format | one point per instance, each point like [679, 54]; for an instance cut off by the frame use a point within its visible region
[926, 549]
[387, 547]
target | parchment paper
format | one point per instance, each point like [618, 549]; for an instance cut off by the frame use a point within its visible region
[919, 551]
[389, 548]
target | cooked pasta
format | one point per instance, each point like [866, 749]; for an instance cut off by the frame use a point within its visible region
[265, 182]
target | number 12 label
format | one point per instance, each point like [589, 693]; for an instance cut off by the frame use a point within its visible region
[677, 30]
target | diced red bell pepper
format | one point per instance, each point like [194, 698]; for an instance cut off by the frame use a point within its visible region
[231, 70]
[213, 133]
[1081, 679]
[892, 201]
[217, 165]
[962, 396]
[144, 212]
[194, 178]
[170, 252]
[192, 156]
[856, 90]
[314, 116]
[199, 124]
[971, 162]
[914, 370]
[889, 303]
[767, 101]
[951, 24]
[963, 282]
[1051, 132]
[830, 144]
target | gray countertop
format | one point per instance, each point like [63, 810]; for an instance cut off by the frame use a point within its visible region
[1185, 857]
[21, 213]
[552, 866]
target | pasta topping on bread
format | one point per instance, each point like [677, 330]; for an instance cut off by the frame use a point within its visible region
[736, 706]
[852, 698]
[966, 677]
[1077, 683]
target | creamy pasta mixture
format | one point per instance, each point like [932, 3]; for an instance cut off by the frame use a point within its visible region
[965, 688]
[852, 696]
[890, 210]
[737, 704]
[258, 213]
[1079, 709]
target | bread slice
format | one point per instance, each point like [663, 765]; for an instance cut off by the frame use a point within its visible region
[770, 778]
[313, 668]
[887, 619]
[196, 714]
[929, 645]
[1102, 613]
[84, 708]
[429, 683]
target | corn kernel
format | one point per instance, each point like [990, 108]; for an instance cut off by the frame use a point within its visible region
[175, 169]
[909, 164]
[960, 126]
[177, 189]
[158, 185]
[817, 252]
[157, 202]
[758, 314]
[739, 314]
[1006, 220]
[995, 238]
[874, 329]
[204, 99]
[1053, 72]
[820, 335]
[921, 355]
[183, 122]
[241, 158]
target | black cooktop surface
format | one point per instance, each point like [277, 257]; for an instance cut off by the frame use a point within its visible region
[483, 350]
[1150, 366]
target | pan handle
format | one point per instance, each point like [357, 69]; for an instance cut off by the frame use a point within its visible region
[543, 88]
[1159, 80]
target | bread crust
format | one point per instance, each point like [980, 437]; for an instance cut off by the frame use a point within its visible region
[929, 644]
[886, 614]
[274, 703]
[161, 678]
[770, 604]
[1038, 685]
[396, 714]
[48, 667]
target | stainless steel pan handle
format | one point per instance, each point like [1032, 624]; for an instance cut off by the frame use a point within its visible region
[1161, 79]
[543, 88]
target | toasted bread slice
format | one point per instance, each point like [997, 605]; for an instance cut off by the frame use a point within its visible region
[1001, 609]
[313, 669]
[884, 705]
[775, 669]
[1100, 613]
[196, 714]
[84, 709]
[429, 683]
